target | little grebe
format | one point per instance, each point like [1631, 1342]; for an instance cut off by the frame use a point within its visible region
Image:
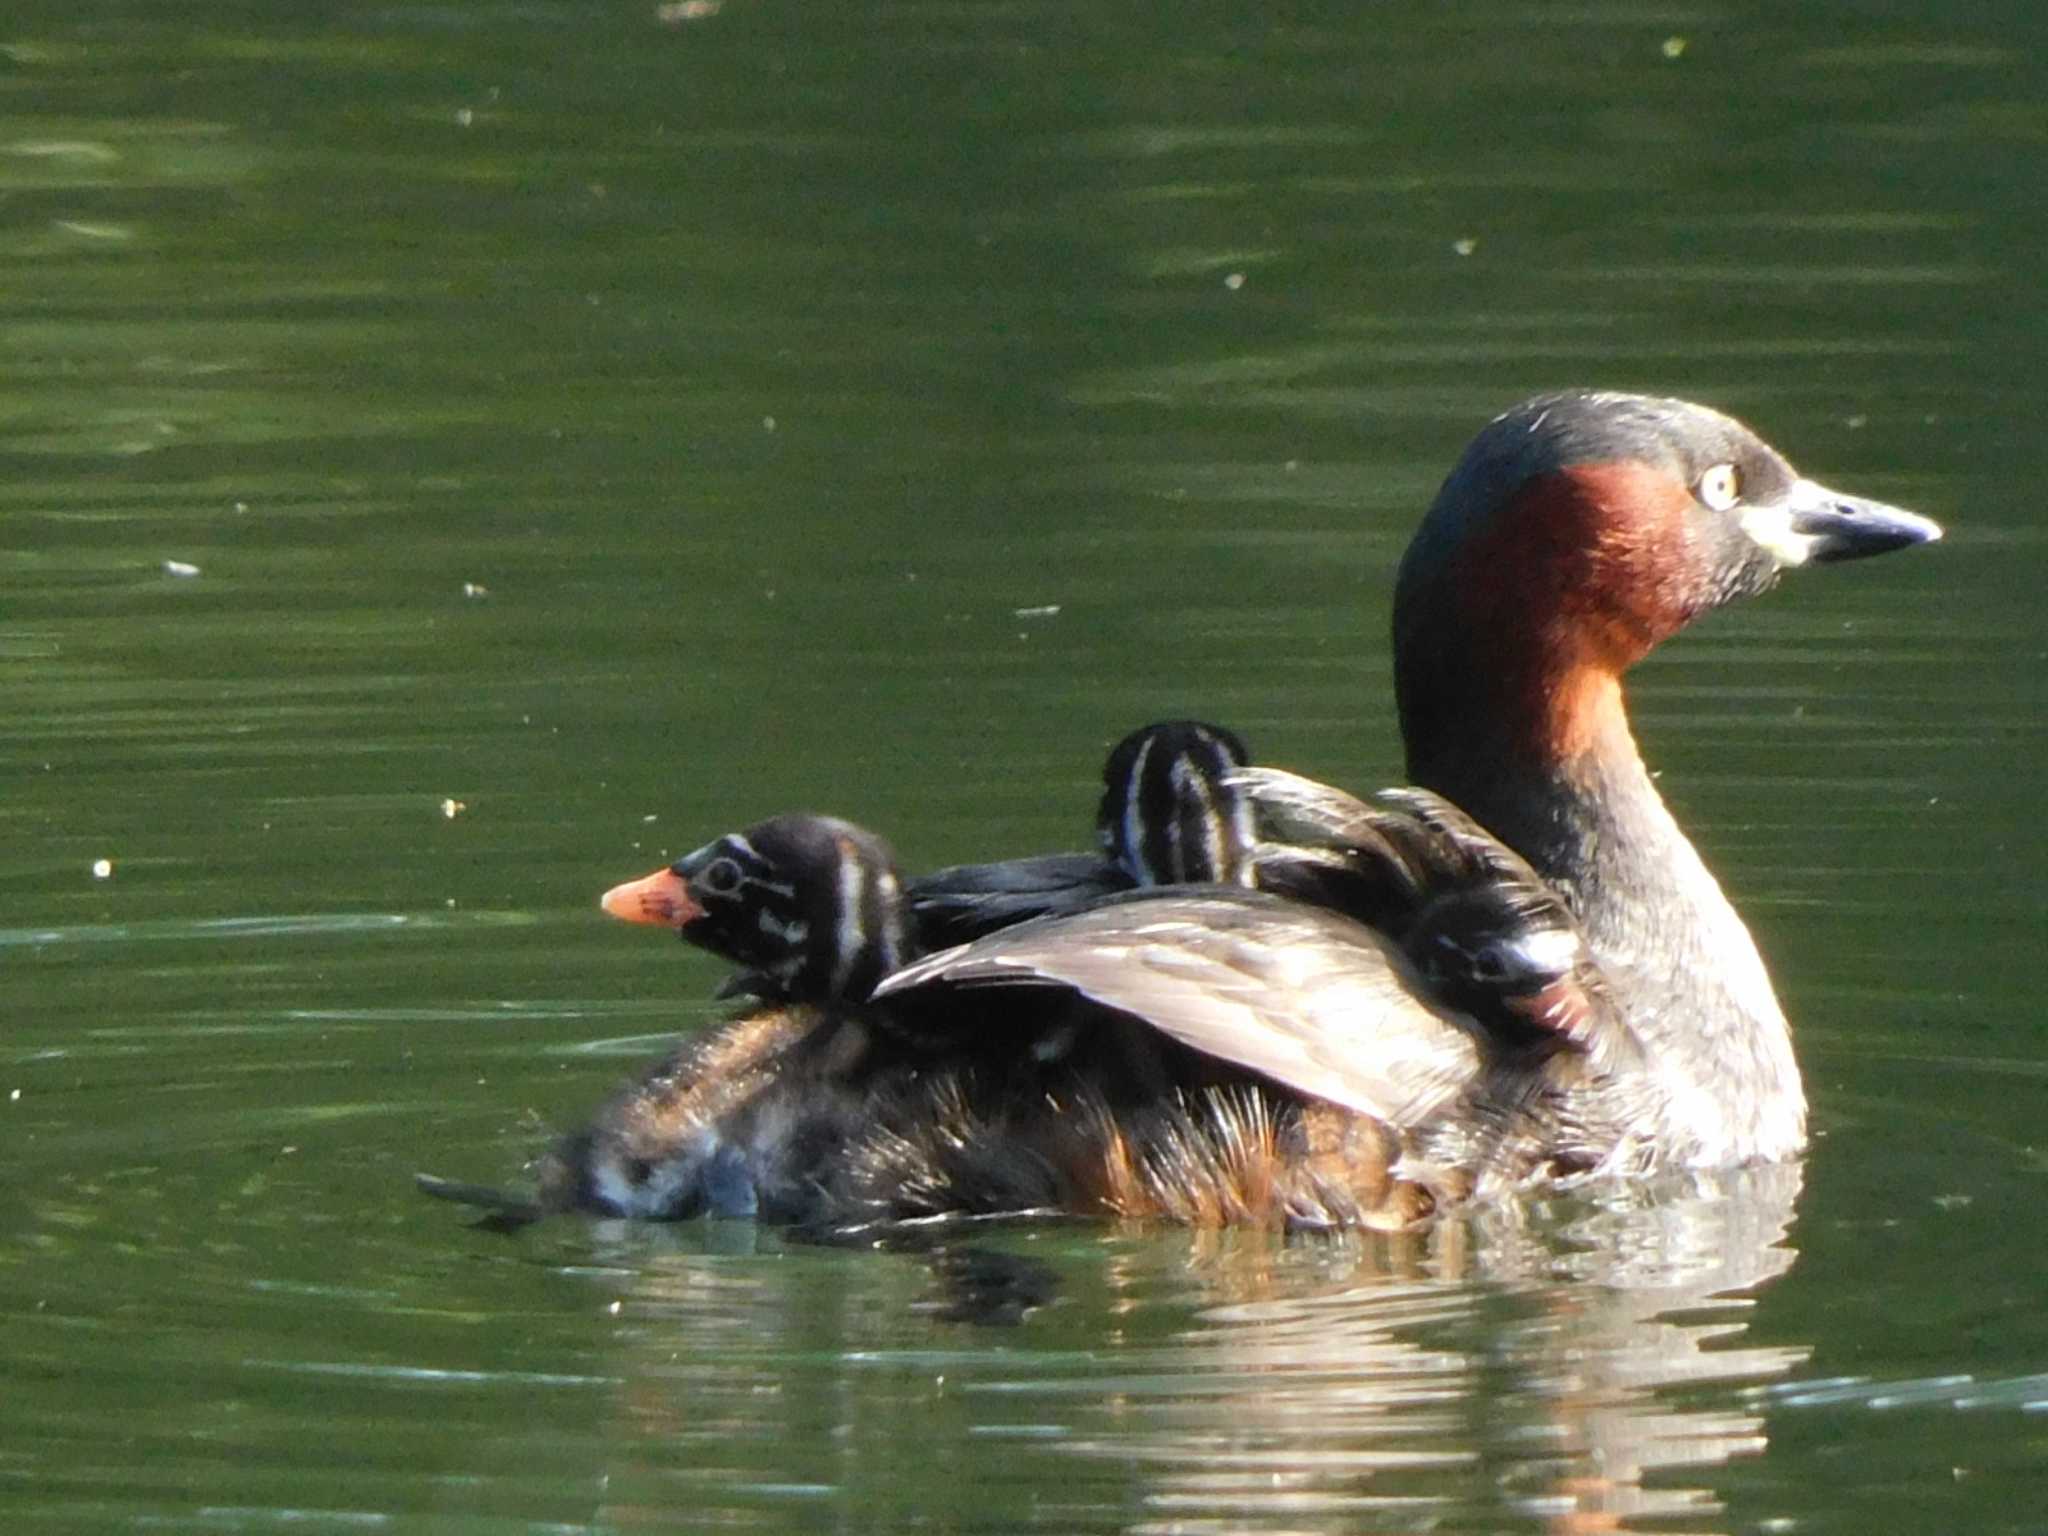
[1590, 1004]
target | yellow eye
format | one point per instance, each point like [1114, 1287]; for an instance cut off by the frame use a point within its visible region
[1720, 487]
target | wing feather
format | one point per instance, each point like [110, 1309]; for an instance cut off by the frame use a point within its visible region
[1303, 996]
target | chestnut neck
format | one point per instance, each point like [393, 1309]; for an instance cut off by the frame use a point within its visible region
[1516, 714]
[1535, 744]
[1514, 621]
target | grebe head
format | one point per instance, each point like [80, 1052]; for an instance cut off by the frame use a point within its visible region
[1580, 530]
[810, 906]
[1510, 956]
[1169, 815]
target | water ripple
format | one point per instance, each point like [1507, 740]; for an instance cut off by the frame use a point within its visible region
[2029, 1394]
[265, 927]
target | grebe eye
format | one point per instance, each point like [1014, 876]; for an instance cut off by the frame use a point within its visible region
[721, 877]
[1720, 487]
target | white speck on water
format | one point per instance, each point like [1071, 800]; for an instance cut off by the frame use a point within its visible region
[63, 149]
[180, 568]
[1464, 245]
[1043, 611]
[102, 869]
[87, 231]
[1234, 282]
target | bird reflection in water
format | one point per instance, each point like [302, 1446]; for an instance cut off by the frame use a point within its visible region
[1547, 1367]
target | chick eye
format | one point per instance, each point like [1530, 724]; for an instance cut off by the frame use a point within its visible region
[1444, 959]
[1490, 963]
[721, 877]
[1720, 487]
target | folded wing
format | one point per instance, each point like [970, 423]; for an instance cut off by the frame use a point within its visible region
[1297, 994]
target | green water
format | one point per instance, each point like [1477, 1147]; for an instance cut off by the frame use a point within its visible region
[614, 429]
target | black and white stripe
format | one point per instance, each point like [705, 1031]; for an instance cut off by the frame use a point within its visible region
[810, 907]
[1169, 815]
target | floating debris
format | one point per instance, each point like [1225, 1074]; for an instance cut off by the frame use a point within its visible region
[1674, 47]
[452, 808]
[1047, 611]
[1465, 245]
[1234, 281]
[475, 589]
[180, 568]
[96, 231]
[678, 11]
[62, 149]
[102, 869]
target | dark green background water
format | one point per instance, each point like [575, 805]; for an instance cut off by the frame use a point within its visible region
[629, 427]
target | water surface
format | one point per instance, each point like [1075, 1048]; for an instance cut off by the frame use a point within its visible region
[457, 457]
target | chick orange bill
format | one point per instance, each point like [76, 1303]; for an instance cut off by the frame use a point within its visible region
[662, 898]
